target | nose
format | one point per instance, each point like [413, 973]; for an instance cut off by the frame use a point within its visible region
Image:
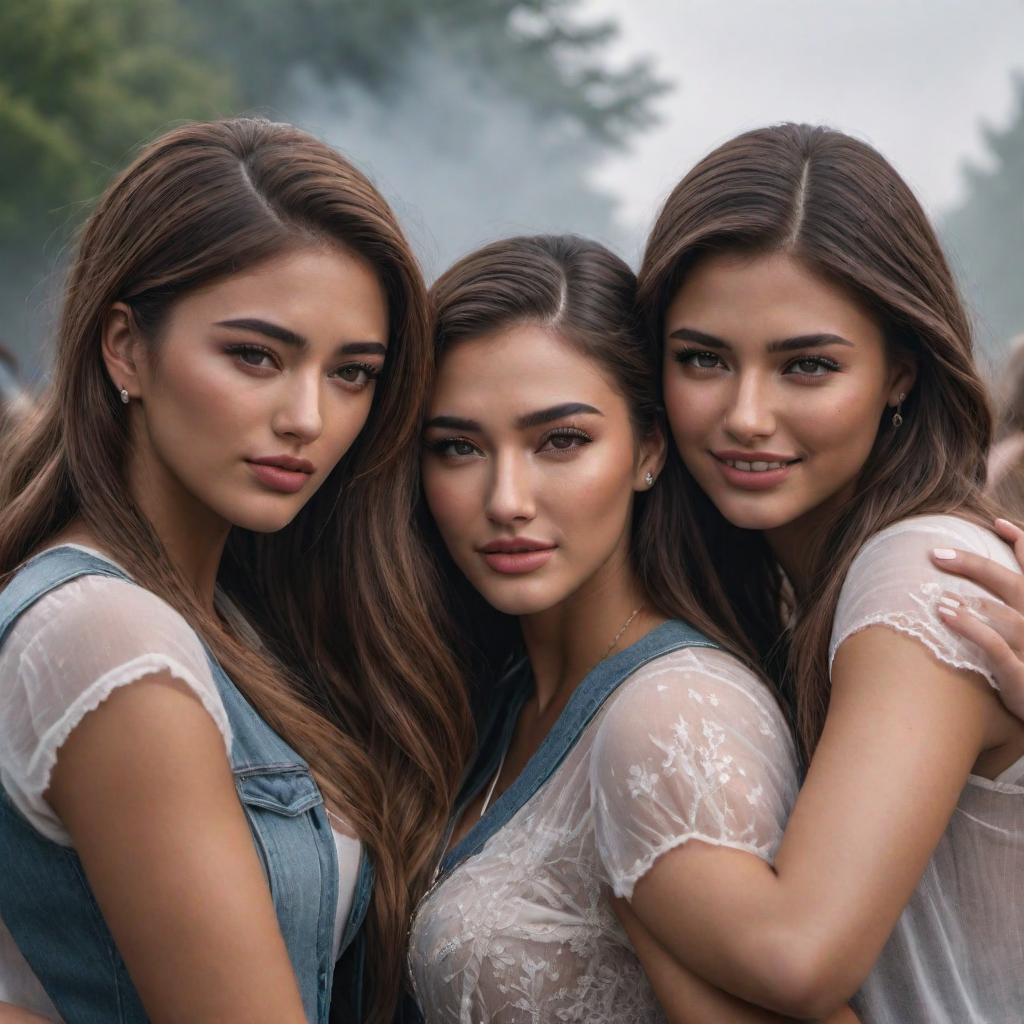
[751, 414]
[510, 494]
[297, 415]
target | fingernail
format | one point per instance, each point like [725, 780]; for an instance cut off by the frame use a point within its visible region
[945, 554]
[946, 612]
[950, 602]
[1006, 523]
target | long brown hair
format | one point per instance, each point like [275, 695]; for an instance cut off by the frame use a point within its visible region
[360, 680]
[587, 295]
[838, 207]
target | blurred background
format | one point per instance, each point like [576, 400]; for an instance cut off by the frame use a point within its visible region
[481, 118]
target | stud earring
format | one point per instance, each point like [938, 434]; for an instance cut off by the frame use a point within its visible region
[125, 397]
[649, 479]
[897, 416]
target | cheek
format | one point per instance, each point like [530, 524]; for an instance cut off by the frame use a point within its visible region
[593, 501]
[451, 498]
[691, 410]
[843, 423]
[202, 393]
[344, 419]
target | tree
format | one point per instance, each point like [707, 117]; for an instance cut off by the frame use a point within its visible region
[81, 83]
[476, 117]
[985, 234]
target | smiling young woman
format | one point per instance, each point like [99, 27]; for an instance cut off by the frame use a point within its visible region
[226, 691]
[831, 430]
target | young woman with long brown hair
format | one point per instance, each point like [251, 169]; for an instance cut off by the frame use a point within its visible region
[831, 431]
[543, 447]
[212, 504]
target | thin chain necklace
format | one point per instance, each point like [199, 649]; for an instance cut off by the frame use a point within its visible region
[611, 647]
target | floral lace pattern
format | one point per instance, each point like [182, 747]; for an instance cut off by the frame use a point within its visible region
[524, 931]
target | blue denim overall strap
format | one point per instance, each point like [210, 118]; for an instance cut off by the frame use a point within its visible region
[49, 908]
[587, 699]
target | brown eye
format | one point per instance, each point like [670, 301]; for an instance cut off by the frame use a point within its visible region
[698, 359]
[253, 356]
[565, 440]
[357, 374]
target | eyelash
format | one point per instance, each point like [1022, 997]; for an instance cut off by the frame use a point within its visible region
[241, 351]
[683, 357]
[442, 445]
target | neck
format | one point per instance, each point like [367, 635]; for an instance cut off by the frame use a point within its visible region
[191, 533]
[796, 543]
[565, 642]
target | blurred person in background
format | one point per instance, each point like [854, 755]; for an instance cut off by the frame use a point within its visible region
[229, 713]
[14, 402]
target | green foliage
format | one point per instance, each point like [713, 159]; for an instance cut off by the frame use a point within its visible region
[986, 234]
[532, 50]
[81, 83]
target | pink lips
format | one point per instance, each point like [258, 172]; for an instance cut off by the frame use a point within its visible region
[754, 480]
[283, 473]
[517, 555]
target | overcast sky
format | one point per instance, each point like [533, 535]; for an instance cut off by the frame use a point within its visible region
[912, 77]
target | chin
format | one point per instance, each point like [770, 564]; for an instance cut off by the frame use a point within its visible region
[262, 520]
[753, 516]
[519, 597]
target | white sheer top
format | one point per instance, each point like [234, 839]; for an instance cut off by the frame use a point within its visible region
[957, 952]
[692, 745]
[65, 655]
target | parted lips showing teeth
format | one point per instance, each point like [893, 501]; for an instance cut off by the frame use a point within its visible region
[757, 467]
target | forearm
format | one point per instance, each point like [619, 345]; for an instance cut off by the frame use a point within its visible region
[687, 998]
[801, 935]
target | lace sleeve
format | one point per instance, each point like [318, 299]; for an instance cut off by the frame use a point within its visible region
[65, 656]
[693, 747]
[893, 582]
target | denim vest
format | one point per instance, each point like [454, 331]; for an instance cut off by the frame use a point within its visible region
[50, 910]
[495, 735]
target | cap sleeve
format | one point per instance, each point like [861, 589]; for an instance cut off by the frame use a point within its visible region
[693, 747]
[893, 582]
[65, 655]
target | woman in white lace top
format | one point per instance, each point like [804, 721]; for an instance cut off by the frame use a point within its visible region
[541, 437]
[820, 386]
[190, 798]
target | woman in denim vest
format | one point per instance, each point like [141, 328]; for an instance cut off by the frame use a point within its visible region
[543, 450]
[224, 692]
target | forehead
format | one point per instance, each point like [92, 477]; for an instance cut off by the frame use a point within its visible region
[764, 298]
[312, 285]
[515, 370]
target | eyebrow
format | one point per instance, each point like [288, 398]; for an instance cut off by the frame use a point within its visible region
[530, 419]
[801, 341]
[287, 337]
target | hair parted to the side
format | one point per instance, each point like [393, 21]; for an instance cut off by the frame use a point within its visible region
[836, 205]
[361, 681]
[583, 293]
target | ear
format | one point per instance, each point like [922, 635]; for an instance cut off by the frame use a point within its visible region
[902, 376]
[652, 451]
[120, 345]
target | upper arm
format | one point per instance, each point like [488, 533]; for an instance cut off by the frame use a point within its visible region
[907, 718]
[114, 740]
[692, 749]
[148, 797]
